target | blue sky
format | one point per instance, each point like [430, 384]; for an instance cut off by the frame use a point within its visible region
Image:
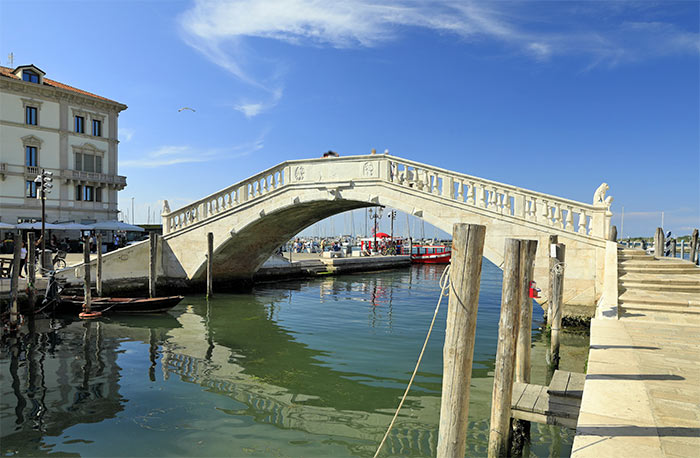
[551, 96]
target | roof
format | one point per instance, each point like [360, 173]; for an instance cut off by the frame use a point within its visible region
[10, 73]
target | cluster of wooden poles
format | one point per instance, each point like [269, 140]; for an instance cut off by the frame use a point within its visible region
[514, 335]
[87, 276]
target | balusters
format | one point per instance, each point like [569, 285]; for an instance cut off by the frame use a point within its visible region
[460, 190]
[582, 223]
[273, 184]
[569, 224]
[492, 198]
[508, 208]
[545, 212]
[482, 196]
[470, 193]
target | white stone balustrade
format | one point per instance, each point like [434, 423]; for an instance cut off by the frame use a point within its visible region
[483, 196]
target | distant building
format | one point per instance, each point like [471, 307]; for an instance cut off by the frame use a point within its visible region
[49, 125]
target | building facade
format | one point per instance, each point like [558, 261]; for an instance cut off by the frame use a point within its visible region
[47, 125]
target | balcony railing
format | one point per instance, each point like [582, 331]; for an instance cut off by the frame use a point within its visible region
[31, 170]
[80, 175]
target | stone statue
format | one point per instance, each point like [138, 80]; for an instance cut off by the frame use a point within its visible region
[166, 208]
[599, 195]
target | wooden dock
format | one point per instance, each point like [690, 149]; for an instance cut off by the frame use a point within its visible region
[558, 404]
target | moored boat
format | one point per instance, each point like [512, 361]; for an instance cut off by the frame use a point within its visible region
[431, 254]
[120, 304]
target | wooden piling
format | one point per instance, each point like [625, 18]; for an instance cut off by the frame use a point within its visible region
[86, 276]
[504, 369]
[98, 278]
[557, 275]
[553, 240]
[14, 288]
[31, 271]
[458, 350]
[694, 246]
[152, 272]
[682, 249]
[659, 243]
[528, 250]
[210, 264]
[673, 248]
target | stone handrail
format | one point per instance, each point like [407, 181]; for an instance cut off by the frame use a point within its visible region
[486, 196]
[226, 199]
[503, 199]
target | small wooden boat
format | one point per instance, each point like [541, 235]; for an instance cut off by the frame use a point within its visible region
[431, 254]
[120, 304]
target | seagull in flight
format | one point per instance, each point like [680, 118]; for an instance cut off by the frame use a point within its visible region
[186, 108]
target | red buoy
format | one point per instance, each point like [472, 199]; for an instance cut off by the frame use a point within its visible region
[89, 315]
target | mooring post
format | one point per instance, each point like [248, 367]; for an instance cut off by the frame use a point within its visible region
[14, 288]
[659, 243]
[504, 369]
[86, 276]
[528, 251]
[152, 272]
[672, 249]
[694, 246]
[557, 275]
[210, 264]
[683, 249]
[98, 279]
[458, 350]
[31, 272]
[553, 240]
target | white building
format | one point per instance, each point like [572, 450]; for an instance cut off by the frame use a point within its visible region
[49, 125]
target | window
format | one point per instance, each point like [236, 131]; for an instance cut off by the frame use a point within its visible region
[80, 124]
[96, 128]
[88, 162]
[28, 75]
[30, 116]
[78, 192]
[88, 193]
[30, 156]
[31, 189]
[98, 194]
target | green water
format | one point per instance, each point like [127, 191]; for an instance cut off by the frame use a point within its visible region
[298, 368]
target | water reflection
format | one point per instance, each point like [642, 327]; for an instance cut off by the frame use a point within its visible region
[295, 368]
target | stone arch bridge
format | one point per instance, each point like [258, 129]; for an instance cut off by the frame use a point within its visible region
[251, 219]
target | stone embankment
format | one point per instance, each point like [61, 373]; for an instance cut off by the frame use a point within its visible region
[642, 390]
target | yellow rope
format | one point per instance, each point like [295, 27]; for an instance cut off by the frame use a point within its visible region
[444, 284]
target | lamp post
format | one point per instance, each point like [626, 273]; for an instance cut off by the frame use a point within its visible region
[375, 214]
[45, 184]
[392, 217]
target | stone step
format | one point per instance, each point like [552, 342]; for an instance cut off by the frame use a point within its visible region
[660, 298]
[660, 286]
[678, 279]
[654, 261]
[658, 269]
[675, 309]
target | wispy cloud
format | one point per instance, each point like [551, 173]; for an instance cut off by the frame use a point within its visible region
[126, 134]
[173, 155]
[220, 30]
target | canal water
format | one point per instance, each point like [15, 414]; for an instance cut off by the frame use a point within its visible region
[292, 369]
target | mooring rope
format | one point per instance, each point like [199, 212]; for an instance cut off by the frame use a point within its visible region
[444, 284]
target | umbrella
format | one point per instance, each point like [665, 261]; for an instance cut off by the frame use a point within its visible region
[37, 226]
[382, 235]
[6, 226]
[73, 226]
[116, 226]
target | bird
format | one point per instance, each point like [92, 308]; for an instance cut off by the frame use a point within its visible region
[186, 108]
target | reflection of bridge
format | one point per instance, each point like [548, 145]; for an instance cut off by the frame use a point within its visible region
[252, 218]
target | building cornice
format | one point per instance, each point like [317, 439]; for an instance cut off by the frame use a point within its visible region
[58, 131]
[57, 94]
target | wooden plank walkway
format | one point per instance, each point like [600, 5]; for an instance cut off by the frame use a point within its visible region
[557, 404]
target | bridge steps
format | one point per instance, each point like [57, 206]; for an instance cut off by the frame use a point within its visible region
[649, 285]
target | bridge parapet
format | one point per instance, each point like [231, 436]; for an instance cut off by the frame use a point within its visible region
[503, 199]
[485, 196]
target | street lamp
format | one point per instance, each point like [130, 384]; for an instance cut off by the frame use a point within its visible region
[375, 214]
[392, 217]
[44, 181]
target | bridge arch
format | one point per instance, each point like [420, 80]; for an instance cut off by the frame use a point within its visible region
[252, 218]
